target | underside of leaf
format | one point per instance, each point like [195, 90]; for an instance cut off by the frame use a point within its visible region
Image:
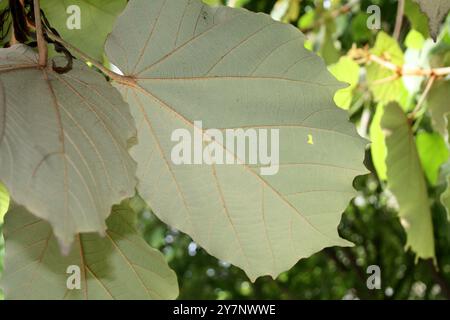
[64, 142]
[231, 68]
[119, 265]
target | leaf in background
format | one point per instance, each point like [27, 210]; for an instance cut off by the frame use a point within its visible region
[439, 107]
[417, 19]
[346, 70]
[118, 266]
[379, 79]
[4, 202]
[436, 11]
[433, 153]
[97, 19]
[407, 182]
[231, 68]
[378, 143]
[64, 142]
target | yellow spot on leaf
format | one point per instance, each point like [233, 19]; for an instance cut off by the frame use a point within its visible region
[310, 139]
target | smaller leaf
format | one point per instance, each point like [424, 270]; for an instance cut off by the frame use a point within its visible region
[439, 107]
[378, 144]
[119, 266]
[433, 153]
[414, 40]
[345, 70]
[406, 181]
[416, 18]
[445, 198]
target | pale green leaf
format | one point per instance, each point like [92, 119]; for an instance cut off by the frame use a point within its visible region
[416, 18]
[346, 70]
[231, 68]
[4, 202]
[407, 182]
[64, 142]
[119, 265]
[436, 11]
[414, 40]
[433, 153]
[96, 20]
[378, 144]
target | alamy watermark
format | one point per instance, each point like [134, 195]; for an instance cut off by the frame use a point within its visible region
[229, 146]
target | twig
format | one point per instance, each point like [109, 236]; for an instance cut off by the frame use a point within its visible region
[111, 74]
[399, 19]
[424, 95]
[42, 45]
[363, 56]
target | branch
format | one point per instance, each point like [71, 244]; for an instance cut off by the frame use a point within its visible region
[363, 56]
[399, 19]
[114, 76]
[42, 44]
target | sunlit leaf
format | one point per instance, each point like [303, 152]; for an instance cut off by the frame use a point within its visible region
[119, 265]
[433, 153]
[407, 182]
[378, 143]
[64, 142]
[346, 70]
[4, 202]
[231, 68]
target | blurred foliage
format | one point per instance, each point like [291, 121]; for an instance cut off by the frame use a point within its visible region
[332, 29]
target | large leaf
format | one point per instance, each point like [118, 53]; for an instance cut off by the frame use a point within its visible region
[407, 182]
[436, 11]
[118, 266]
[234, 69]
[63, 143]
[96, 21]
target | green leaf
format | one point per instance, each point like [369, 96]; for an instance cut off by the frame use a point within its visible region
[436, 11]
[119, 265]
[378, 143]
[439, 107]
[407, 182]
[417, 20]
[231, 68]
[345, 70]
[96, 20]
[414, 40]
[64, 142]
[433, 153]
[4, 202]
[380, 80]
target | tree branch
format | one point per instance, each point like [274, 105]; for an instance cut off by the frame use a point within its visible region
[42, 44]
[399, 19]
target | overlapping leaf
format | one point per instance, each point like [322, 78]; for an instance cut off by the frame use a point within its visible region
[63, 143]
[234, 69]
[118, 266]
[406, 181]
